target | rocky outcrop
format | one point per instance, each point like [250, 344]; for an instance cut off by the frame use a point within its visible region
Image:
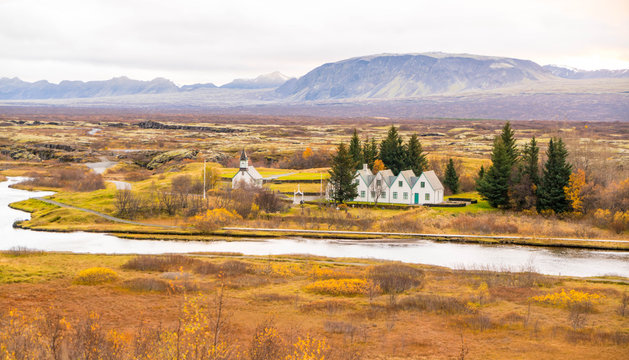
[168, 156]
[157, 125]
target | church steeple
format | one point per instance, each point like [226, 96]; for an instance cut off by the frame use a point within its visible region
[244, 160]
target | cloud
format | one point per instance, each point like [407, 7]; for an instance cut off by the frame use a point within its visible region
[191, 41]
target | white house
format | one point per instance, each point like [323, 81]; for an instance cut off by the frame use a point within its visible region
[427, 189]
[402, 187]
[405, 188]
[247, 176]
[364, 177]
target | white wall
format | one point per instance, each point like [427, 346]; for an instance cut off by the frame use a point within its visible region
[398, 190]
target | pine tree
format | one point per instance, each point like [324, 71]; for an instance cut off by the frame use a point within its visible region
[530, 160]
[392, 151]
[342, 176]
[494, 185]
[355, 150]
[508, 139]
[481, 173]
[555, 177]
[415, 157]
[451, 179]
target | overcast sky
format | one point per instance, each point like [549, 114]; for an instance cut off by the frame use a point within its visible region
[192, 41]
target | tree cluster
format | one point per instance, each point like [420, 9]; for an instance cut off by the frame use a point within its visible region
[392, 152]
[513, 180]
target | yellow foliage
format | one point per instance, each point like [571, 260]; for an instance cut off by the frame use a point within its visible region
[574, 189]
[318, 272]
[340, 287]
[285, 270]
[564, 298]
[95, 275]
[214, 219]
[308, 348]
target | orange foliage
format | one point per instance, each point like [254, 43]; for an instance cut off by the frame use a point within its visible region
[378, 166]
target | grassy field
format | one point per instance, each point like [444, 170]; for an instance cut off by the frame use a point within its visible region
[483, 314]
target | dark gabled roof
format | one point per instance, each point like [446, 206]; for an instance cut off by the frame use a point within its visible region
[243, 155]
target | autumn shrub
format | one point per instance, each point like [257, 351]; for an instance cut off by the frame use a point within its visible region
[484, 224]
[433, 303]
[95, 276]
[477, 321]
[68, 178]
[267, 344]
[394, 279]
[339, 287]
[214, 219]
[159, 262]
[228, 268]
[17, 251]
[331, 306]
[137, 175]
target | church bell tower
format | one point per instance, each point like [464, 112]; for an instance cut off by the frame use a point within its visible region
[244, 161]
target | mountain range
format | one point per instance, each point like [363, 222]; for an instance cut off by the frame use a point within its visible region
[387, 85]
[385, 76]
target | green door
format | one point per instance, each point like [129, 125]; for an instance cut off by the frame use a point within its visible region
[416, 198]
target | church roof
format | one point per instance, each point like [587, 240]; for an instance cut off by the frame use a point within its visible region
[243, 155]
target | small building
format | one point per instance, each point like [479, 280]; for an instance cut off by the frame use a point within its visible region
[247, 176]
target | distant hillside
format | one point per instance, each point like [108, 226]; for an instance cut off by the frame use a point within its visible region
[569, 73]
[410, 75]
[265, 81]
[16, 89]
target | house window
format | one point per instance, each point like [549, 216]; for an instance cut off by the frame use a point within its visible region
[405, 195]
[383, 194]
[399, 183]
[427, 197]
[394, 195]
[422, 184]
[362, 194]
[373, 194]
[378, 183]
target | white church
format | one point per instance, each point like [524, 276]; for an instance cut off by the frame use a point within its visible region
[247, 175]
[405, 188]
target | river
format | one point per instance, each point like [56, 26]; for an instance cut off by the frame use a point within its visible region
[553, 261]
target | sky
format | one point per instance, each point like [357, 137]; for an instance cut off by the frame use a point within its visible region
[200, 41]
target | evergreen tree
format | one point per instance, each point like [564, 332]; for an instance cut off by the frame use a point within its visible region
[530, 160]
[370, 152]
[508, 139]
[555, 177]
[342, 176]
[451, 179]
[415, 157]
[481, 174]
[494, 186]
[355, 150]
[392, 151]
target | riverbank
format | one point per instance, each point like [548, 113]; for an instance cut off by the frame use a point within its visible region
[42, 221]
[443, 312]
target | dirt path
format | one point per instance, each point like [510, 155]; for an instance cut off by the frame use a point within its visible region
[104, 216]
